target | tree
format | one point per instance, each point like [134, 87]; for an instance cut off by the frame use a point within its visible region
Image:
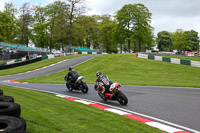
[192, 40]
[25, 22]
[164, 41]
[106, 30]
[11, 30]
[143, 32]
[119, 37]
[8, 23]
[40, 34]
[76, 10]
[61, 23]
[52, 14]
[84, 30]
[134, 22]
[179, 40]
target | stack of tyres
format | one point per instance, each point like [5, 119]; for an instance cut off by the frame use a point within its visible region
[10, 120]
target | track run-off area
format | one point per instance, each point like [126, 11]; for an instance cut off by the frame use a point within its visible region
[172, 109]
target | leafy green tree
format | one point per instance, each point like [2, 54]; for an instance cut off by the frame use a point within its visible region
[76, 10]
[106, 30]
[164, 41]
[83, 30]
[143, 32]
[11, 30]
[134, 22]
[51, 15]
[25, 20]
[179, 40]
[3, 26]
[40, 34]
[192, 40]
[119, 37]
[8, 23]
[61, 23]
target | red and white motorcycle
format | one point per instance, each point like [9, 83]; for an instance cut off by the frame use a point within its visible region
[116, 94]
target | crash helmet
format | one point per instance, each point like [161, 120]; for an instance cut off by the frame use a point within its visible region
[98, 73]
[70, 68]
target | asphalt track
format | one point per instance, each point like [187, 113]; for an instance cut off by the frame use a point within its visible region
[176, 106]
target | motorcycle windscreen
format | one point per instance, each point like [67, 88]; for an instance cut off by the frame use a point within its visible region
[105, 80]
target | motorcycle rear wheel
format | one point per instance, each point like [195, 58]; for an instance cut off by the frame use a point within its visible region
[122, 99]
[69, 87]
[84, 87]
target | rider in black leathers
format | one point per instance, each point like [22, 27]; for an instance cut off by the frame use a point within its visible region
[71, 76]
[103, 84]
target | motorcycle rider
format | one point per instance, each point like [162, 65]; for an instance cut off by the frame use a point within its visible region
[103, 84]
[71, 76]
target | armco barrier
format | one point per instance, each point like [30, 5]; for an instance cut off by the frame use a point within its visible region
[166, 59]
[3, 64]
[151, 57]
[44, 57]
[170, 60]
[175, 61]
[24, 61]
[158, 58]
[185, 62]
[20, 63]
[195, 63]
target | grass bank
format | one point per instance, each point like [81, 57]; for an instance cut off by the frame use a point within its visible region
[36, 65]
[46, 113]
[129, 70]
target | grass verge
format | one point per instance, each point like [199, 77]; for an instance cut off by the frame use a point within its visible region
[46, 113]
[129, 70]
[36, 65]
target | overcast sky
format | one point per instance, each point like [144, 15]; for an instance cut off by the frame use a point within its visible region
[167, 15]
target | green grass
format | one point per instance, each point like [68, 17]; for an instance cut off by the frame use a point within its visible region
[36, 65]
[46, 113]
[129, 70]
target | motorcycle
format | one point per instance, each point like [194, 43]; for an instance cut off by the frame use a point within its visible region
[116, 94]
[78, 85]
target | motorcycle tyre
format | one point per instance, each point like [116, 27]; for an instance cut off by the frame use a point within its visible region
[69, 87]
[122, 99]
[84, 87]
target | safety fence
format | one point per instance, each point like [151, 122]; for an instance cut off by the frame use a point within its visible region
[170, 60]
[35, 58]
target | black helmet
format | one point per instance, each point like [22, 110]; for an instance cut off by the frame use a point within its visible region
[70, 68]
[98, 73]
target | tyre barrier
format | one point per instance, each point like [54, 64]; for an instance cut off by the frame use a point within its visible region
[10, 123]
[6, 99]
[10, 120]
[9, 108]
[1, 92]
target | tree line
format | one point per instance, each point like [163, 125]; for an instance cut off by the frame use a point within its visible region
[180, 40]
[62, 24]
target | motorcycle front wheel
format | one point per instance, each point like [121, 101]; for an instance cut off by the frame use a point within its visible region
[102, 97]
[83, 87]
[122, 99]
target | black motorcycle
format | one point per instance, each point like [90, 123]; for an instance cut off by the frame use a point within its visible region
[78, 85]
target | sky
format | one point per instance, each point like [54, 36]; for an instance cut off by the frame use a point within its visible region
[167, 15]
